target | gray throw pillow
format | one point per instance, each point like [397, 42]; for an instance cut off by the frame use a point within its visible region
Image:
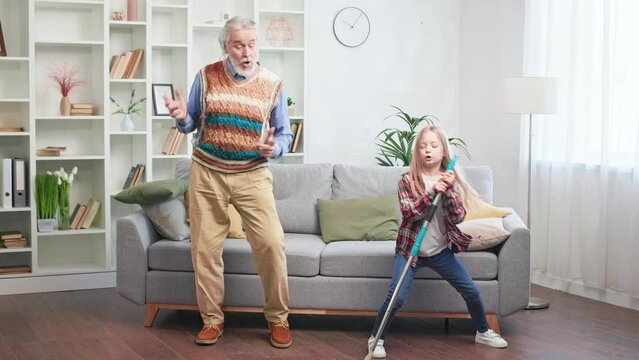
[169, 219]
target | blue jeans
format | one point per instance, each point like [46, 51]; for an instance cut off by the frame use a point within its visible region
[448, 267]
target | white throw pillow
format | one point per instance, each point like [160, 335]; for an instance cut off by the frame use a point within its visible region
[486, 232]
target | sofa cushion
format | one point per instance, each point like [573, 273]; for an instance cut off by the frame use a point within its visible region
[368, 218]
[302, 255]
[296, 188]
[351, 181]
[481, 179]
[375, 259]
[169, 219]
[354, 181]
[153, 192]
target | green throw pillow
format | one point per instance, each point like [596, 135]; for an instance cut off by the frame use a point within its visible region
[153, 192]
[370, 218]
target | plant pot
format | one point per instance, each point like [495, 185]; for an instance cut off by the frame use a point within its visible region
[291, 111]
[65, 106]
[47, 225]
[127, 123]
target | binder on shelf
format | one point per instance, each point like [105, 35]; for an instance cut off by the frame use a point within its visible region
[6, 186]
[19, 183]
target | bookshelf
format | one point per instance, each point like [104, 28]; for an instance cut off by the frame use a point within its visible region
[178, 38]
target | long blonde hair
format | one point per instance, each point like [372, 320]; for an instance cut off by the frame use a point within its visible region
[417, 186]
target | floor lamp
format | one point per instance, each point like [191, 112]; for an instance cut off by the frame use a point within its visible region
[530, 95]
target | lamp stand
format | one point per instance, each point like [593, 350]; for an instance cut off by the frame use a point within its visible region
[534, 303]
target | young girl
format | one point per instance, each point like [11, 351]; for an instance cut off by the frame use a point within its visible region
[417, 187]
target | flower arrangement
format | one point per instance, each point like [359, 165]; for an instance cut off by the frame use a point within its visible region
[132, 107]
[46, 195]
[65, 78]
[64, 182]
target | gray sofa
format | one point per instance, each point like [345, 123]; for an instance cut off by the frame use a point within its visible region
[342, 277]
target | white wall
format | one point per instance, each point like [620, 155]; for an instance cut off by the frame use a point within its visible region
[441, 57]
[492, 35]
[409, 60]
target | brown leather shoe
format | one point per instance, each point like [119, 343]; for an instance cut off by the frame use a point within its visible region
[280, 334]
[209, 334]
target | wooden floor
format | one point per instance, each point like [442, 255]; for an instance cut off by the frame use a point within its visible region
[99, 324]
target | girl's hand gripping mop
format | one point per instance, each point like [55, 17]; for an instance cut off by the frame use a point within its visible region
[413, 253]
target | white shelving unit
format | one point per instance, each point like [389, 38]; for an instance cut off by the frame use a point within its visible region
[179, 37]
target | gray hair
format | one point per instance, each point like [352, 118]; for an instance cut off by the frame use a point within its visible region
[234, 23]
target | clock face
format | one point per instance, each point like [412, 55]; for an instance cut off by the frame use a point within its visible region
[351, 26]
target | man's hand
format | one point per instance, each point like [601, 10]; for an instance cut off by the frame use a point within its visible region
[177, 107]
[268, 147]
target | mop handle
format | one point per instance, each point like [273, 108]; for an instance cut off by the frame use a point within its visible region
[431, 212]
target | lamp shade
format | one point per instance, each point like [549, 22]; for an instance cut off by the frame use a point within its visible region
[530, 95]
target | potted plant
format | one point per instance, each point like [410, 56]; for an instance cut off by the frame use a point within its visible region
[66, 80]
[46, 196]
[396, 145]
[132, 108]
[291, 106]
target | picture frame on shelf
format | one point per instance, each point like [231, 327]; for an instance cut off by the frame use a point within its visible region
[159, 91]
[3, 49]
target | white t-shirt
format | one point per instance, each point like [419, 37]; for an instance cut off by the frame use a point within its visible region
[434, 240]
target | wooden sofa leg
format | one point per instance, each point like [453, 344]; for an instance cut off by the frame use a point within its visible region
[151, 311]
[493, 322]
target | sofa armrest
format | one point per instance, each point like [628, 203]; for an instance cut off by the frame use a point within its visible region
[514, 267]
[134, 234]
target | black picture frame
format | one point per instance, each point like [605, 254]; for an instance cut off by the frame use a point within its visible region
[3, 49]
[159, 91]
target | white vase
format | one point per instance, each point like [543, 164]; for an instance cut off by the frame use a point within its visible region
[127, 123]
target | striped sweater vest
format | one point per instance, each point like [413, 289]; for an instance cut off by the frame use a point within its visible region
[235, 115]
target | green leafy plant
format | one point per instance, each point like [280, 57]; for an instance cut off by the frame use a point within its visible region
[290, 101]
[46, 195]
[396, 145]
[132, 107]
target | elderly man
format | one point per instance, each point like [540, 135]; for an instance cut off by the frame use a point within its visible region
[239, 111]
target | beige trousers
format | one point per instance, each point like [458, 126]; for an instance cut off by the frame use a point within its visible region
[251, 193]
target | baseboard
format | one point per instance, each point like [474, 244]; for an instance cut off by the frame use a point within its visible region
[35, 284]
[580, 289]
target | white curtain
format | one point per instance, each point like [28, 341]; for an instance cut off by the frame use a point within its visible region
[585, 193]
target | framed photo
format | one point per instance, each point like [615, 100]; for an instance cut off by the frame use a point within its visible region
[159, 92]
[3, 50]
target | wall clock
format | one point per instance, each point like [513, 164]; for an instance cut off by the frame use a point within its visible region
[351, 26]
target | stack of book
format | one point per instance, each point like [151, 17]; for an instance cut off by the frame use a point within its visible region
[14, 269]
[83, 215]
[125, 65]
[51, 151]
[173, 141]
[81, 109]
[134, 177]
[12, 239]
[296, 129]
[11, 129]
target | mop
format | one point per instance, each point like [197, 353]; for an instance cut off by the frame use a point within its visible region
[413, 254]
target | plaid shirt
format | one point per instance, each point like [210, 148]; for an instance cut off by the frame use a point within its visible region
[414, 211]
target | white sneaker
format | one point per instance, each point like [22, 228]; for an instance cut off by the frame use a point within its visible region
[491, 339]
[379, 352]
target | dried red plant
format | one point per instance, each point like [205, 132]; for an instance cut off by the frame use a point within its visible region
[65, 78]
